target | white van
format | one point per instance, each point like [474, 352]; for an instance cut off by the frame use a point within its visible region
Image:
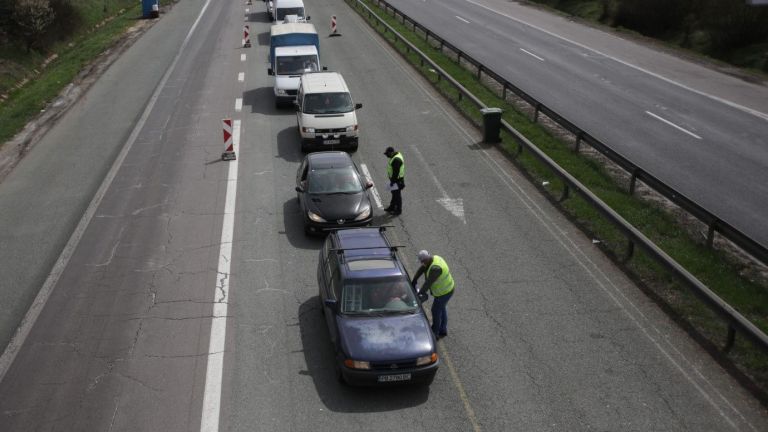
[282, 8]
[325, 112]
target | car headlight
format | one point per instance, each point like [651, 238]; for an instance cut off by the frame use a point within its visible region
[357, 364]
[421, 361]
[364, 214]
[315, 217]
[281, 92]
[351, 128]
[308, 130]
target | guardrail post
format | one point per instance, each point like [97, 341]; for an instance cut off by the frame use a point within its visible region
[536, 113]
[730, 340]
[711, 233]
[426, 36]
[578, 141]
[566, 193]
[479, 71]
[630, 250]
[504, 91]
[458, 57]
[633, 181]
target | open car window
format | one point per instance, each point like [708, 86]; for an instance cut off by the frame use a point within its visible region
[391, 295]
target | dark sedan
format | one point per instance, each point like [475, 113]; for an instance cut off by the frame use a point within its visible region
[374, 317]
[332, 193]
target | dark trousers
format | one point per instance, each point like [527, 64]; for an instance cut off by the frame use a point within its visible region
[396, 203]
[440, 314]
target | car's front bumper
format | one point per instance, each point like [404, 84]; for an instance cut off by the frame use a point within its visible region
[323, 227]
[418, 375]
[330, 142]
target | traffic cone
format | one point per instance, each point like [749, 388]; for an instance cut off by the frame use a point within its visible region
[246, 37]
[334, 30]
[229, 145]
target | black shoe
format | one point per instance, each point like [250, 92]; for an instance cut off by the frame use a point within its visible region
[442, 335]
[394, 212]
[388, 209]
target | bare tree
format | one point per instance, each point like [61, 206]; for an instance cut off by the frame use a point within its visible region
[32, 18]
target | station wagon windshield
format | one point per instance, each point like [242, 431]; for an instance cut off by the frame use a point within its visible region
[328, 103]
[390, 295]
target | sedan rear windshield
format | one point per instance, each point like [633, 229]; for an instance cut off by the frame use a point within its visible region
[334, 180]
[390, 295]
[328, 103]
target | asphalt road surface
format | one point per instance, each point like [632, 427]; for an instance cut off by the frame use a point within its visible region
[186, 298]
[701, 132]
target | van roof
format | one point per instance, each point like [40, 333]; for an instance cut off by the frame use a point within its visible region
[323, 82]
[289, 3]
[285, 28]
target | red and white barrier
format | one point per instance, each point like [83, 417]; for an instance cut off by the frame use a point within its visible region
[229, 144]
[334, 30]
[246, 36]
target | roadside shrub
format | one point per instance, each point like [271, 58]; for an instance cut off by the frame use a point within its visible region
[31, 19]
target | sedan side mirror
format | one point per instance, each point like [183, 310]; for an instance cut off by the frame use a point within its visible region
[368, 184]
[332, 305]
[325, 68]
[358, 106]
[299, 189]
[270, 71]
[308, 18]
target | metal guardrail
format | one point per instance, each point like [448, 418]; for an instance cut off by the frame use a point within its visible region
[714, 224]
[735, 321]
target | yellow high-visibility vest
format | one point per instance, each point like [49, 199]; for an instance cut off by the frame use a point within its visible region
[444, 284]
[401, 175]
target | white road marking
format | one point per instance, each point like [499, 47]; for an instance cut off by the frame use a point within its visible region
[214, 372]
[531, 54]
[454, 205]
[376, 196]
[247, 10]
[462, 19]
[593, 270]
[238, 104]
[17, 341]
[242, 57]
[673, 125]
[241, 76]
[754, 112]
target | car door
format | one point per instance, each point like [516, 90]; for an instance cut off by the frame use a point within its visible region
[301, 180]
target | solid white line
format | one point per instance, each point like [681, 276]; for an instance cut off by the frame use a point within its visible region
[376, 196]
[242, 57]
[531, 54]
[214, 372]
[238, 104]
[462, 19]
[241, 76]
[9, 354]
[673, 125]
[247, 10]
[754, 112]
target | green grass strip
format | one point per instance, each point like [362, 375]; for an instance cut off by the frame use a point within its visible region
[710, 266]
[24, 104]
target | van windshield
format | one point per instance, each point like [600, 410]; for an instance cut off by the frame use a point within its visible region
[295, 65]
[282, 12]
[328, 103]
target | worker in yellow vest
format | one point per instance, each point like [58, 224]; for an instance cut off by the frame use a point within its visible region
[439, 282]
[396, 176]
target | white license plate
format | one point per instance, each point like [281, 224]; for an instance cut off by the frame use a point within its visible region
[332, 141]
[391, 378]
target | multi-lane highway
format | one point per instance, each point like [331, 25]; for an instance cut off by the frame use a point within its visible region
[185, 296]
[701, 132]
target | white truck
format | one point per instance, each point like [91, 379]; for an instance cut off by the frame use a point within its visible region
[294, 49]
[281, 8]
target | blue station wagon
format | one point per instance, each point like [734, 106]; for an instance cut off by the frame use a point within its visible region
[374, 317]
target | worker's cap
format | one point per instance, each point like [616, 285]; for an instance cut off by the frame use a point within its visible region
[389, 151]
[424, 255]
